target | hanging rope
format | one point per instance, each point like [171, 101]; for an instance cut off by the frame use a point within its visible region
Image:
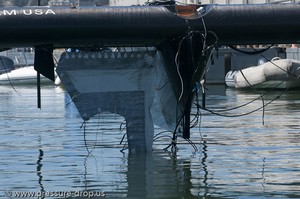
[261, 96]
[247, 113]
[9, 80]
[254, 52]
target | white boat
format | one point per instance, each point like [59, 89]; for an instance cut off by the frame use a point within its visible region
[17, 67]
[24, 75]
[277, 73]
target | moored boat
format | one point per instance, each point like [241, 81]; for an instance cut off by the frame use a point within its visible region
[277, 73]
[24, 75]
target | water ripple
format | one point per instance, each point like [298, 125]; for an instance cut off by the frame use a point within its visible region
[44, 150]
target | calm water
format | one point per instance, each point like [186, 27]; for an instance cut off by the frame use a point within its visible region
[233, 157]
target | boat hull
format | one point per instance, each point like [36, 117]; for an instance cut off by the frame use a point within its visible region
[147, 25]
[24, 75]
[278, 73]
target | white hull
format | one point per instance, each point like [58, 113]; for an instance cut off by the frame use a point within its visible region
[25, 75]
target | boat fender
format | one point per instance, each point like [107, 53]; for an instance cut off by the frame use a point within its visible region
[230, 79]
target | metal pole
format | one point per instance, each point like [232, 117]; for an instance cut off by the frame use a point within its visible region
[38, 78]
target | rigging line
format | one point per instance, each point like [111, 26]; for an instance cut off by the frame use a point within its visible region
[174, 138]
[162, 133]
[200, 122]
[123, 148]
[206, 70]
[205, 49]
[121, 129]
[255, 52]
[237, 107]
[189, 34]
[173, 143]
[123, 137]
[205, 36]
[199, 118]
[244, 114]
[261, 96]
[9, 80]
[84, 136]
[195, 120]
[161, 87]
[192, 144]
[96, 139]
[83, 125]
[215, 35]
[163, 136]
[177, 60]
[243, 105]
[177, 67]
[272, 62]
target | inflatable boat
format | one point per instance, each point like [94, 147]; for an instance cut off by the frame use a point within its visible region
[277, 73]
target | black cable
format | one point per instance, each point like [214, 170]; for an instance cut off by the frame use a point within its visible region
[161, 133]
[83, 125]
[162, 136]
[8, 78]
[84, 137]
[243, 105]
[255, 52]
[244, 114]
[255, 90]
[161, 87]
[272, 62]
[195, 120]
[260, 53]
[192, 144]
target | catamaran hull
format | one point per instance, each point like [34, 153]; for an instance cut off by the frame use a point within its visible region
[147, 25]
[184, 36]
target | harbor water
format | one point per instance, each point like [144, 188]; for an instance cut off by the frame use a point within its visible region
[51, 153]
